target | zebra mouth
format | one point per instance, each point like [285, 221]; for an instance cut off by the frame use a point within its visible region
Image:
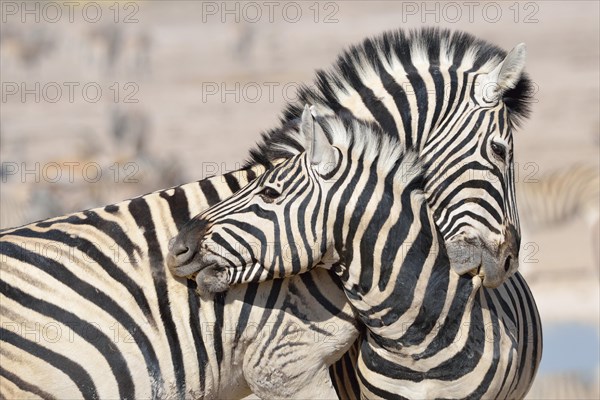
[212, 278]
[476, 271]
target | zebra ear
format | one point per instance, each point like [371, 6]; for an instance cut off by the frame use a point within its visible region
[506, 75]
[320, 151]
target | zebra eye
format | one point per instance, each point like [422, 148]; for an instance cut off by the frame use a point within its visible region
[269, 194]
[499, 150]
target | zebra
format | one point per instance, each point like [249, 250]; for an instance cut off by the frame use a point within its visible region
[456, 100]
[88, 310]
[357, 207]
[560, 196]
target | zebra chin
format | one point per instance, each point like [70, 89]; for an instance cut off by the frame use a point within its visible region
[213, 278]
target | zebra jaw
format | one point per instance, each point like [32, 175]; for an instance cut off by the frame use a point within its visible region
[474, 259]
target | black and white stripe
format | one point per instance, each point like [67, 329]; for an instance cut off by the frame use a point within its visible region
[358, 206]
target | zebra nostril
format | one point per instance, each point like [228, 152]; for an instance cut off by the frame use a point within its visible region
[180, 251]
[507, 264]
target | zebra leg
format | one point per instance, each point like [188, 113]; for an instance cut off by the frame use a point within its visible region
[344, 375]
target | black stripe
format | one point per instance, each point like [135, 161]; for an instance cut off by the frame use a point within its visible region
[292, 198]
[403, 51]
[532, 310]
[375, 362]
[314, 191]
[328, 199]
[110, 228]
[140, 211]
[232, 182]
[322, 299]
[468, 357]
[447, 333]
[212, 197]
[244, 316]
[26, 386]
[268, 308]
[496, 334]
[412, 266]
[366, 192]
[433, 300]
[196, 330]
[76, 372]
[372, 103]
[395, 239]
[340, 217]
[178, 205]
[219, 310]
[433, 54]
[374, 227]
[398, 94]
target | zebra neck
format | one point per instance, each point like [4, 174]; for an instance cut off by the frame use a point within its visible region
[427, 102]
[391, 249]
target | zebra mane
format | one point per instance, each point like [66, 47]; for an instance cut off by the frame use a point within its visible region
[455, 49]
[365, 139]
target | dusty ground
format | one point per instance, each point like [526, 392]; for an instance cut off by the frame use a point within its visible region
[206, 86]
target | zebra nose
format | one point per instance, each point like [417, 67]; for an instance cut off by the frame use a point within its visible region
[184, 247]
[179, 250]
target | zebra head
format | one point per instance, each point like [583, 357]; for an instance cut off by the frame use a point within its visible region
[295, 216]
[470, 174]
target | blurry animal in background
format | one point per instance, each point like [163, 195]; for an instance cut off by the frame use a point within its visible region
[559, 197]
[26, 46]
[105, 43]
[113, 49]
[244, 44]
[130, 128]
[94, 174]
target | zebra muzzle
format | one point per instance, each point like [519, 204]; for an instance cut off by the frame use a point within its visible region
[184, 257]
[471, 256]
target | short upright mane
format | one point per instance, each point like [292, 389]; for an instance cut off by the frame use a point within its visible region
[456, 51]
[367, 140]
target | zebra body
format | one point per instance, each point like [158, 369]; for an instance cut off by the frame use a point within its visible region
[88, 310]
[357, 205]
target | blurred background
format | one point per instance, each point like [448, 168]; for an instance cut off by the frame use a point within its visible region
[102, 101]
